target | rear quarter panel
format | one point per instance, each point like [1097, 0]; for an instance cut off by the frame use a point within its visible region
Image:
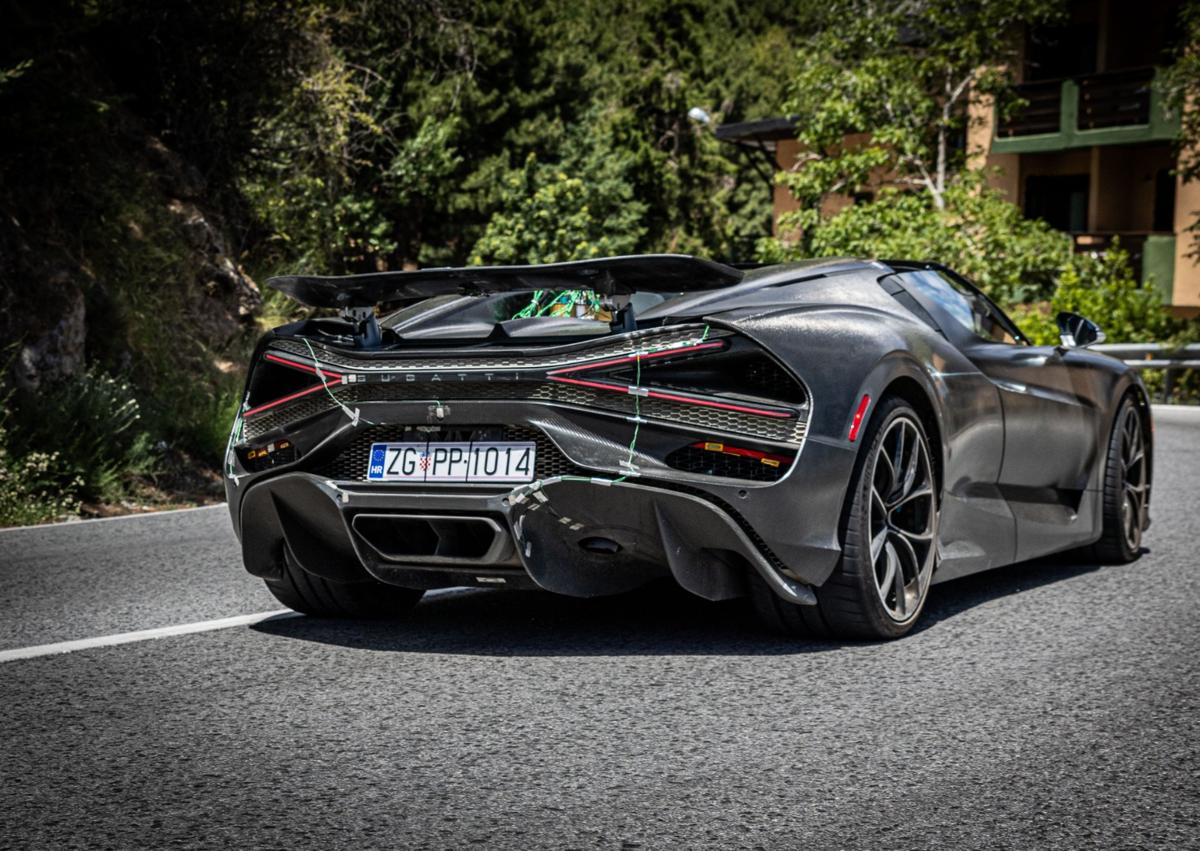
[841, 353]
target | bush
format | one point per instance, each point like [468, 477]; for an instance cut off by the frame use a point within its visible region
[31, 487]
[547, 216]
[89, 426]
[979, 233]
[1102, 288]
[206, 417]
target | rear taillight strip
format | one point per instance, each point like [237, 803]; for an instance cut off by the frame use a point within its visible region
[323, 374]
[328, 373]
[283, 399]
[673, 397]
[660, 353]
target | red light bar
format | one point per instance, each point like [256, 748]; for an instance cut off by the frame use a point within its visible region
[631, 358]
[287, 398]
[598, 385]
[328, 373]
[673, 397]
[857, 422]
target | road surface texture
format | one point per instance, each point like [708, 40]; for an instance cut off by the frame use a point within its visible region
[1049, 704]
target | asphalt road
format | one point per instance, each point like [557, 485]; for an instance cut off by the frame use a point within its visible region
[1049, 704]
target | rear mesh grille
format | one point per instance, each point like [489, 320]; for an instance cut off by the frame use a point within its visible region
[707, 420]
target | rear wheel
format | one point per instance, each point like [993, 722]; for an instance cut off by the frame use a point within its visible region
[300, 590]
[880, 584]
[1126, 489]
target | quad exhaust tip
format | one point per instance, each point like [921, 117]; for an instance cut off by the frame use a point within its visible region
[600, 546]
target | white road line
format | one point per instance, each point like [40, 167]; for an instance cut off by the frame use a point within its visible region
[178, 629]
[89, 520]
[142, 635]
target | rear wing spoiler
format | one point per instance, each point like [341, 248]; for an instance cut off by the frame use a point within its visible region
[661, 273]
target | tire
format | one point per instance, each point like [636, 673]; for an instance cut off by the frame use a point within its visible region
[300, 590]
[888, 533]
[1126, 489]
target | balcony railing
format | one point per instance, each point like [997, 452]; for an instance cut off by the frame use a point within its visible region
[1115, 99]
[1116, 107]
[1040, 113]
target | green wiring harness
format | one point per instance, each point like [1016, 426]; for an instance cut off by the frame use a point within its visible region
[565, 300]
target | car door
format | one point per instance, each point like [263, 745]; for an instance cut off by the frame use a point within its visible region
[1051, 423]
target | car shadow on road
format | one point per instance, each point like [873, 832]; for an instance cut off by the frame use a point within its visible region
[659, 619]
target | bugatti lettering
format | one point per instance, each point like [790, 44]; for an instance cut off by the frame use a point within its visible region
[452, 462]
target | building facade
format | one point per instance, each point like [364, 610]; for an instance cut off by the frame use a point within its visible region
[1093, 152]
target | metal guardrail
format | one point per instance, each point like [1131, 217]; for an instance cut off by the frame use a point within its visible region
[1156, 356]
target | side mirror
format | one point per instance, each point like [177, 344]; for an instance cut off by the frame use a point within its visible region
[1077, 332]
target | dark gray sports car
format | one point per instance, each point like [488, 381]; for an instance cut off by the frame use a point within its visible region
[828, 438]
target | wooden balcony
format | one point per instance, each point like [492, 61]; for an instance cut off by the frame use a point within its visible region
[1041, 112]
[1115, 99]
[1114, 108]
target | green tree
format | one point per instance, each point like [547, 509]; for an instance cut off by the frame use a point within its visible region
[884, 89]
[976, 231]
[548, 216]
[405, 127]
[882, 95]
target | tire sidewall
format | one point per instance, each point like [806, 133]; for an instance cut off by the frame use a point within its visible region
[1114, 496]
[889, 411]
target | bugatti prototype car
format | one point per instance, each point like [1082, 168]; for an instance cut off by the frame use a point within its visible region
[829, 438]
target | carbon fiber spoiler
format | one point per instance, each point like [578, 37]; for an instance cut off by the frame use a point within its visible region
[664, 273]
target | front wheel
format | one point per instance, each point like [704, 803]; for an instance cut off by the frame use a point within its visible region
[312, 595]
[889, 535]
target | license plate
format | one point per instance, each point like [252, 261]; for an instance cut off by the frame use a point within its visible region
[451, 462]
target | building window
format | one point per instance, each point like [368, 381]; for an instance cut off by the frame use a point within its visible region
[1061, 200]
[1053, 53]
[1164, 201]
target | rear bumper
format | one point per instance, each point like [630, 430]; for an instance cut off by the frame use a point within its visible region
[580, 538]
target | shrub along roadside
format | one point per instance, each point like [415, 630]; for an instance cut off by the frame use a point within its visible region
[31, 491]
[1103, 288]
[91, 424]
[87, 442]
